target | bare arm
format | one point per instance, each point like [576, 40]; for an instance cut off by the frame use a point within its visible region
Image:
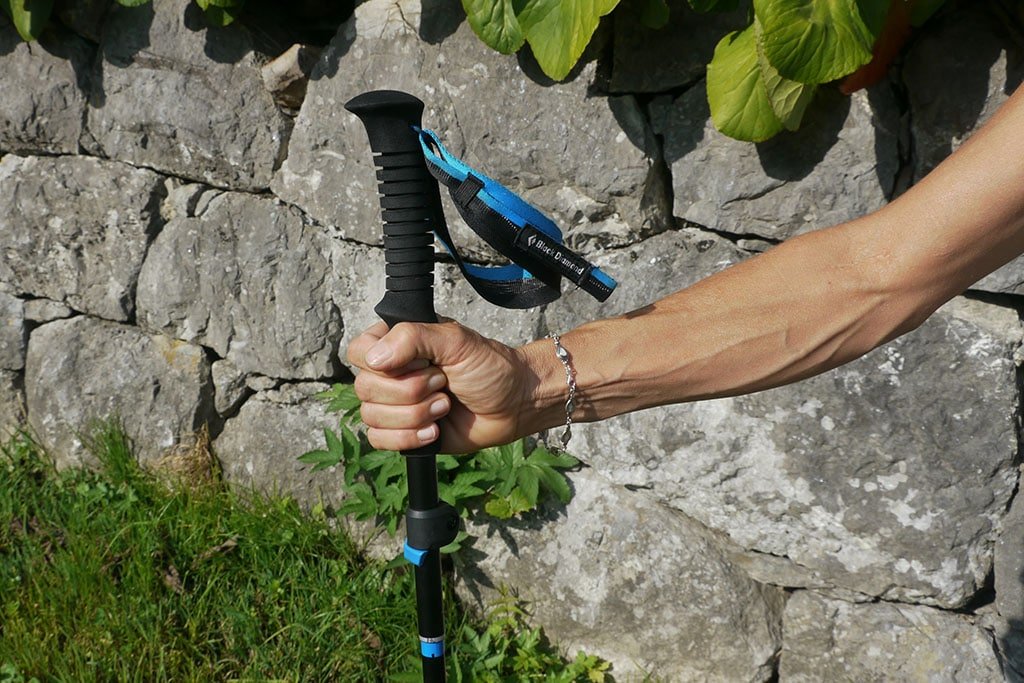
[811, 304]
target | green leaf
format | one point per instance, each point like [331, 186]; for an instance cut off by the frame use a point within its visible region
[499, 508]
[556, 483]
[544, 457]
[873, 13]
[788, 99]
[528, 483]
[559, 30]
[495, 23]
[219, 16]
[341, 398]
[654, 14]
[29, 16]
[813, 41]
[739, 102]
[132, 3]
[923, 10]
[320, 460]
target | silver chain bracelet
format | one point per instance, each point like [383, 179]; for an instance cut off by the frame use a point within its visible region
[570, 380]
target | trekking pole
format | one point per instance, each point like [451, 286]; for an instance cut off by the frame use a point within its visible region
[410, 207]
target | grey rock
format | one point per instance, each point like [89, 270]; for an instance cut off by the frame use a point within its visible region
[1009, 564]
[831, 640]
[249, 279]
[13, 333]
[178, 96]
[840, 165]
[229, 386]
[623, 577]
[12, 403]
[41, 311]
[259, 447]
[845, 480]
[958, 73]
[81, 370]
[44, 85]
[646, 60]
[261, 382]
[587, 160]
[1009, 641]
[75, 230]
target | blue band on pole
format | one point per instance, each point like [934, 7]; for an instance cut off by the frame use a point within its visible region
[432, 649]
[414, 555]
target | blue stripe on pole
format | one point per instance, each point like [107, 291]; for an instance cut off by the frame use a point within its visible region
[432, 650]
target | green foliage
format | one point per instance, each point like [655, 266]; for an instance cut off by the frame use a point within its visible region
[28, 16]
[760, 80]
[504, 481]
[557, 30]
[114, 575]
[509, 649]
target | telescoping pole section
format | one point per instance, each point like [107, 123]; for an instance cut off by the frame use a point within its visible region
[410, 205]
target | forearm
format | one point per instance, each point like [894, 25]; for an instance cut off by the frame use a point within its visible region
[808, 305]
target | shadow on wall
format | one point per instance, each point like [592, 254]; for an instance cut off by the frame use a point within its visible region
[130, 44]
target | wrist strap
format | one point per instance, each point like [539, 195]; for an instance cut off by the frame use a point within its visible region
[570, 380]
[515, 229]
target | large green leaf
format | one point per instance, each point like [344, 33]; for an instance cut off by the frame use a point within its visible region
[789, 99]
[29, 16]
[873, 13]
[813, 41]
[559, 30]
[495, 23]
[220, 13]
[739, 102]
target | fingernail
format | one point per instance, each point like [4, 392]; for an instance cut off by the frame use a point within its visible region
[378, 354]
[436, 382]
[439, 407]
[426, 434]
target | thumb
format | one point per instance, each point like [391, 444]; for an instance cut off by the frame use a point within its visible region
[438, 343]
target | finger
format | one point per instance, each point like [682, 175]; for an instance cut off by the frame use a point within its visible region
[441, 343]
[405, 389]
[358, 347]
[384, 416]
[402, 439]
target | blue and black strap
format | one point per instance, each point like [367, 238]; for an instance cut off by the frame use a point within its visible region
[515, 229]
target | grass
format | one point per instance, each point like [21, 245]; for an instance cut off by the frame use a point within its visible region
[112, 575]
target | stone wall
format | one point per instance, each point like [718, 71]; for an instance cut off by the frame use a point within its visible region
[179, 250]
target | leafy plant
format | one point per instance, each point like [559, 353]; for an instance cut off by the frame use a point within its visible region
[504, 481]
[761, 79]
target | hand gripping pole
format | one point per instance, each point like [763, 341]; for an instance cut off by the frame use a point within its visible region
[410, 207]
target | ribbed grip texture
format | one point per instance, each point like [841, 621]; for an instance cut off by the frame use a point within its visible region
[409, 200]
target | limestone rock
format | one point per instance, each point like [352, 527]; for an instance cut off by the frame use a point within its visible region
[845, 480]
[176, 95]
[831, 640]
[75, 230]
[247, 278]
[1009, 565]
[44, 87]
[259, 446]
[585, 159]
[633, 582]
[229, 389]
[81, 369]
[841, 164]
[13, 334]
[41, 311]
[960, 71]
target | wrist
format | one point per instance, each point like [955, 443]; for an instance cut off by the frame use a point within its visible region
[546, 389]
